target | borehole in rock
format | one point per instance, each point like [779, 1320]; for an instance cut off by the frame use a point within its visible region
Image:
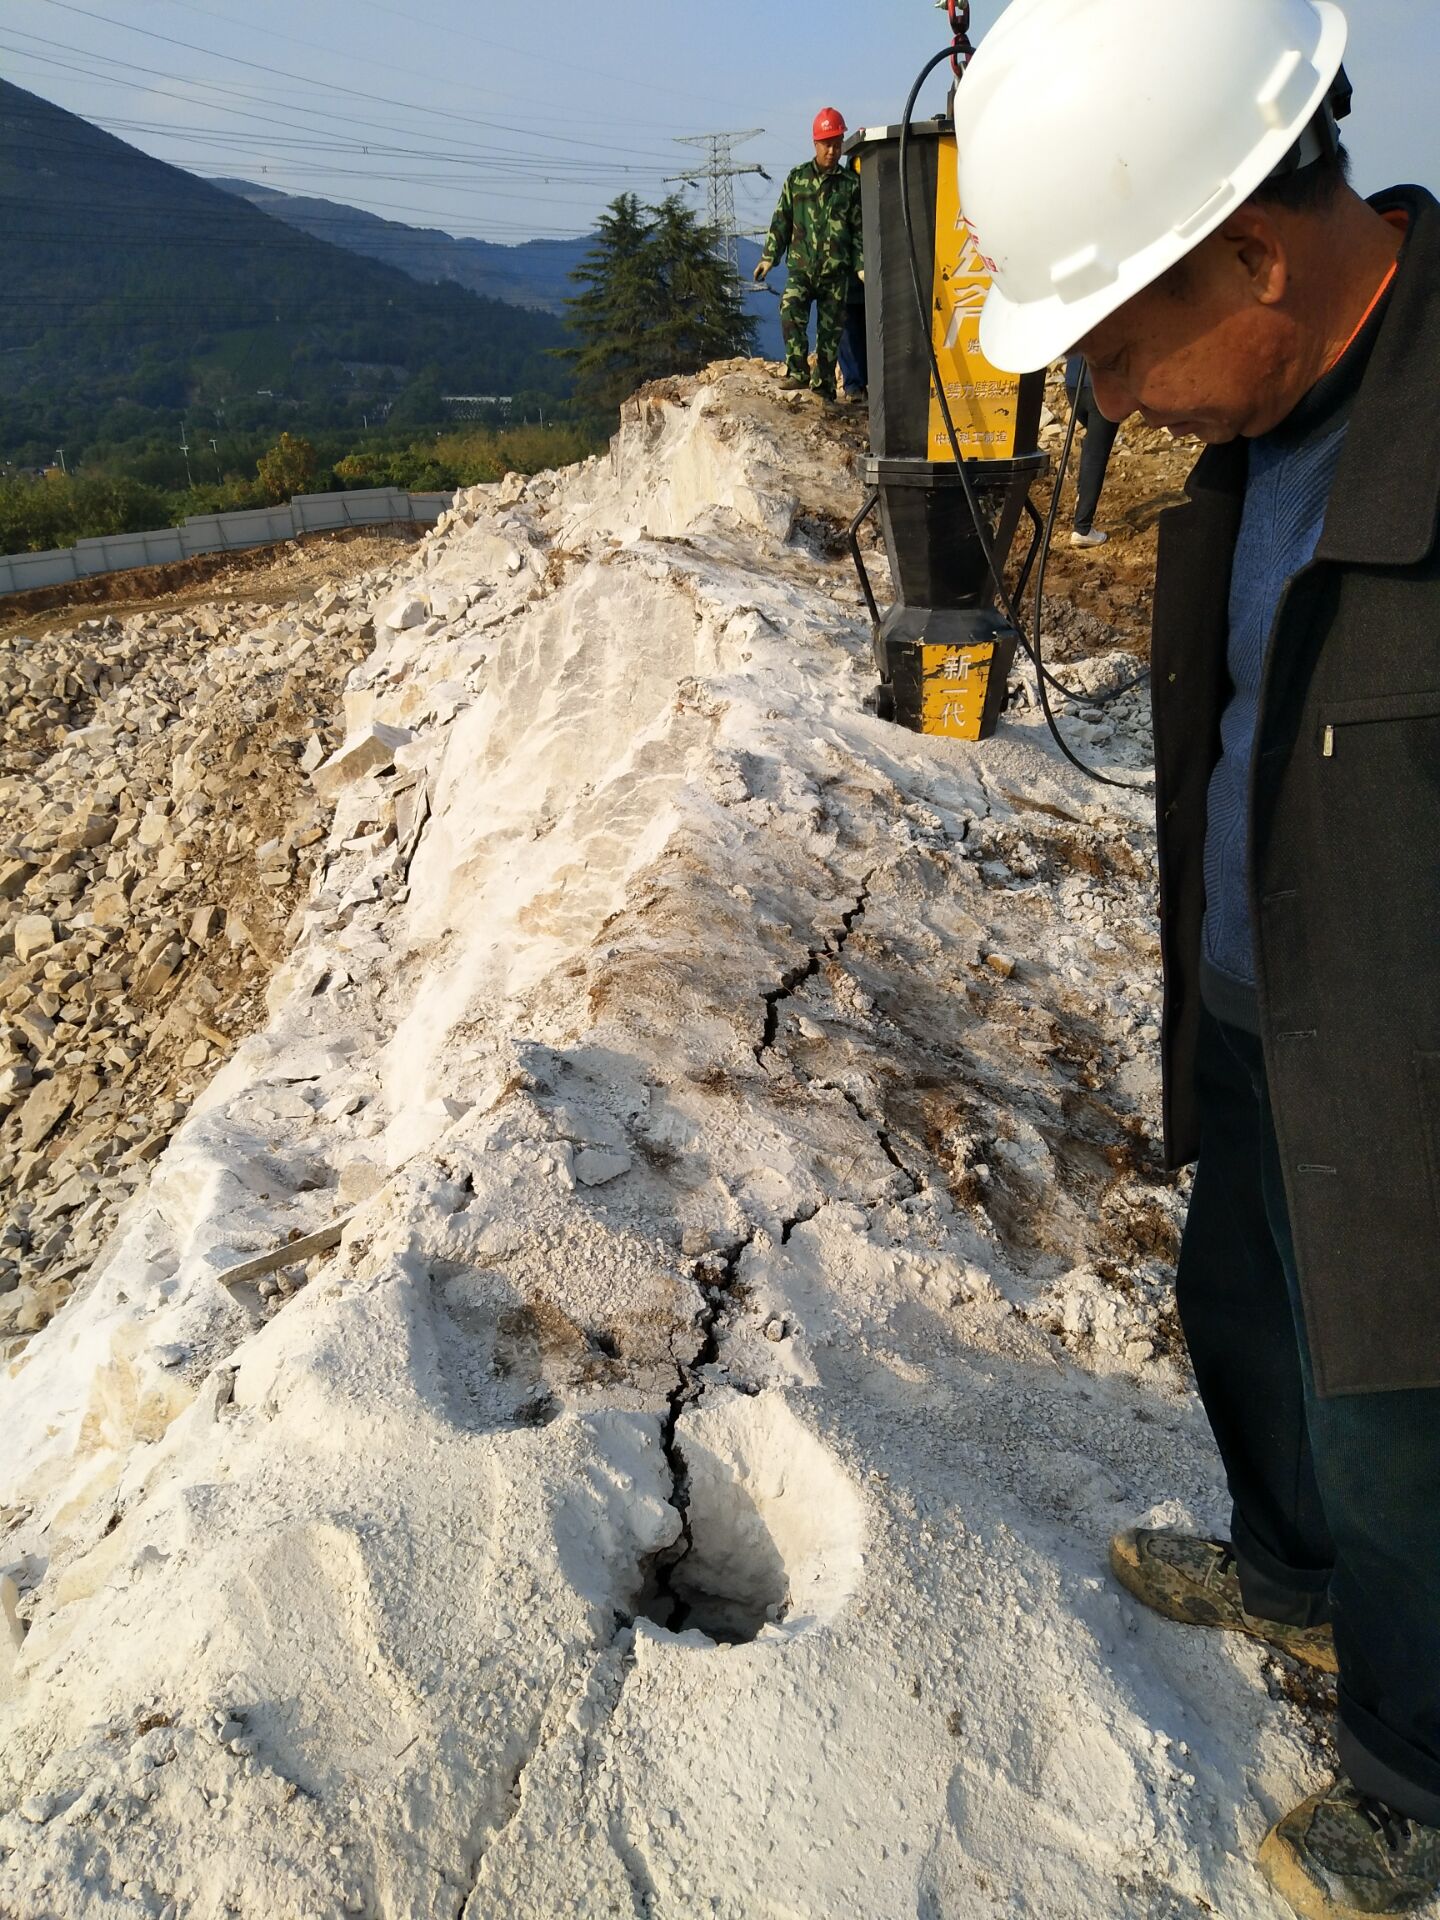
[773, 1528]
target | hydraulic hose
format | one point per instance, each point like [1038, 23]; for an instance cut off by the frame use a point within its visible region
[1031, 644]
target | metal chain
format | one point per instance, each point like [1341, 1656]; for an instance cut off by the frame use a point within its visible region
[961, 52]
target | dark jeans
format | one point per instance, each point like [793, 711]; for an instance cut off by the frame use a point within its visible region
[1094, 459]
[1337, 1500]
[854, 355]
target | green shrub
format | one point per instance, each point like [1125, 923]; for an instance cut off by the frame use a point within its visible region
[61, 509]
[286, 468]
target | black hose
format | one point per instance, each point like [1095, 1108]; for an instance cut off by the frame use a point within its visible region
[987, 546]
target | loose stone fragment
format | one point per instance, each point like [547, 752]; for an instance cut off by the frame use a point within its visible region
[46, 1107]
[34, 932]
[205, 923]
[159, 971]
[407, 612]
[362, 753]
[359, 1179]
[11, 1626]
[321, 1241]
[594, 1166]
[109, 906]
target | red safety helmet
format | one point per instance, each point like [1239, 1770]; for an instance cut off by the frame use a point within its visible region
[829, 124]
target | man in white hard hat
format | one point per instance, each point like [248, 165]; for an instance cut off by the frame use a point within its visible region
[1201, 246]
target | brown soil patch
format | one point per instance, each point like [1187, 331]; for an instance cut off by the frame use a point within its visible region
[292, 570]
[1116, 582]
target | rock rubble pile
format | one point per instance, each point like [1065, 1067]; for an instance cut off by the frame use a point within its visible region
[156, 834]
[613, 1397]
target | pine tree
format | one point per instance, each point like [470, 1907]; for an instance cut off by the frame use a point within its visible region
[657, 300]
[704, 309]
[611, 315]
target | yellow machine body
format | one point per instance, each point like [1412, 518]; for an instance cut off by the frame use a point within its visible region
[984, 402]
[954, 685]
[943, 653]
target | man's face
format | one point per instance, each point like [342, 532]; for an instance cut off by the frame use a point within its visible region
[1198, 353]
[827, 155]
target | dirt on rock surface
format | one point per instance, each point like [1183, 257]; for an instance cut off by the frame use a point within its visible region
[1147, 473]
[157, 833]
[256, 576]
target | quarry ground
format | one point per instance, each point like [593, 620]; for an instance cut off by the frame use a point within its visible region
[588, 1272]
[257, 576]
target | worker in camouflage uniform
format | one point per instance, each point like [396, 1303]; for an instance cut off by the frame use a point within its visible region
[818, 224]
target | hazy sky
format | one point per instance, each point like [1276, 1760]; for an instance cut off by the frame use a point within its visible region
[508, 121]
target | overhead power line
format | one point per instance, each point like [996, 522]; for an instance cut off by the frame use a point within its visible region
[444, 34]
[500, 173]
[554, 178]
[356, 93]
[445, 28]
[496, 183]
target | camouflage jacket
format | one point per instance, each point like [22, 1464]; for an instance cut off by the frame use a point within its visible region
[818, 224]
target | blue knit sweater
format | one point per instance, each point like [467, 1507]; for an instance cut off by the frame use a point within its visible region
[1285, 500]
[1292, 470]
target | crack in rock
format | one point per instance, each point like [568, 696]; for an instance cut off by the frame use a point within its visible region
[660, 1602]
[801, 1219]
[588, 1716]
[792, 981]
[514, 1797]
[642, 1886]
[882, 1137]
[887, 1147]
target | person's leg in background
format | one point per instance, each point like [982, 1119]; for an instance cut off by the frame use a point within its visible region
[1094, 460]
[854, 354]
[829, 327]
[795, 304]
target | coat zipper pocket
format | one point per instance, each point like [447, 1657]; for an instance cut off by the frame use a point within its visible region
[1385, 708]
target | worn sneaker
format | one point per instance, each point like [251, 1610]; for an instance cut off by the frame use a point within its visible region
[1194, 1580]
[790, 384]
[1093, 538]
[1341, 1854]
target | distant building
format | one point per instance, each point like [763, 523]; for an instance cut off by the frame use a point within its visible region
[386, 370]
[474, 406]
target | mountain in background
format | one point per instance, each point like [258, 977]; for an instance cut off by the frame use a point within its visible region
[132, 288]
[534, 273]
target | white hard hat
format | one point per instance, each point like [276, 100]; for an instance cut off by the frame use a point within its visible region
[1100, 141]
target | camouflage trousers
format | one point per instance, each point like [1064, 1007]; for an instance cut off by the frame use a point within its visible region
[828, 300]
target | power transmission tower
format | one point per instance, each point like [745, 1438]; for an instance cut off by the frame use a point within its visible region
[719, 175]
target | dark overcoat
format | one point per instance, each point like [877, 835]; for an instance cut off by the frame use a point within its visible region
[1345, 844]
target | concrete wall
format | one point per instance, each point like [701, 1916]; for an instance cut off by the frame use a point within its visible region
[218, 533]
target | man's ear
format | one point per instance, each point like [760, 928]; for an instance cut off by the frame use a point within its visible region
[1257, 250]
